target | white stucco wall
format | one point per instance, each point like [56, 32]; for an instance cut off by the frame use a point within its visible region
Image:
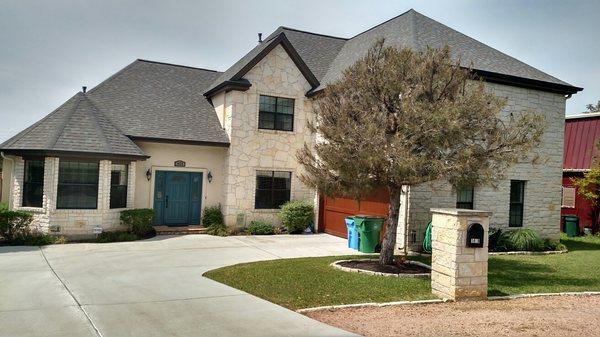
[198, 159]
[253, 149]
[543, 181]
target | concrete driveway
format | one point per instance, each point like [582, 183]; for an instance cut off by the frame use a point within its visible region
[149, 288]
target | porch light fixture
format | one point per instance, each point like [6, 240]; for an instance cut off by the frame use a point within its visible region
[209, 177]
[148, 174]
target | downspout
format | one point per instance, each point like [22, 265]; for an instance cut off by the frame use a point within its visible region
[12, 174]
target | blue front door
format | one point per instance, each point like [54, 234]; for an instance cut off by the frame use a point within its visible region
[177, 198]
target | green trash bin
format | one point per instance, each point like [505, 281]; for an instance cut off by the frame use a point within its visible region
[368, 228]
[571, 225]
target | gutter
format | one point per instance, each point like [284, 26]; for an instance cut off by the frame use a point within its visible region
[12, 174]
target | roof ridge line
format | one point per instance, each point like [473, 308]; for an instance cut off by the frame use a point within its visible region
[177, 65]
[313, 33]
[110, 148]
[384, 22]
[61, 129]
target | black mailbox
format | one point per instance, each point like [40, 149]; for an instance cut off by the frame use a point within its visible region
[475, 234]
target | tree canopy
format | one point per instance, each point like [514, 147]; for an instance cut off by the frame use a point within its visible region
[593, 107]
[400, 117]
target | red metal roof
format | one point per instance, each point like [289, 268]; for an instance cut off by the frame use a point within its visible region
[581, 135]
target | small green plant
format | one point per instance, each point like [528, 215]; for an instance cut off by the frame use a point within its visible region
[139, 221]
[212, 216]
[297, 215]
[3, 206]
[14, 224]
[524, 239]
[260, 227]
[60, 240]
[217, 229]
[106, 237]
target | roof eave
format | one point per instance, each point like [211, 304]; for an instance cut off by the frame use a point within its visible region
[240, 85]
[72, 154]
[179, 141]
[527, 83]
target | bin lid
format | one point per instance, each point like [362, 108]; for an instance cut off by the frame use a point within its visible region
[367, 216]
[571, 217]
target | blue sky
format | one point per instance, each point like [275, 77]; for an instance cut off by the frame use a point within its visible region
[49, 49]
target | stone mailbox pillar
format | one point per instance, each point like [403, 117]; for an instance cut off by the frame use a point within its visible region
[459, 260]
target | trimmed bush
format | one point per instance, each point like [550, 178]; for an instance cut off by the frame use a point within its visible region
[138, 221]
[14, 224]
[297, 215]
[217, 229]
[212, 216]
[259, 227]
[106, 237]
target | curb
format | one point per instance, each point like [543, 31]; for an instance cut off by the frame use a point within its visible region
[376, 273]
[371, 304]
[491, 298]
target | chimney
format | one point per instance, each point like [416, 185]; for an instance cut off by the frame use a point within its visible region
[84, 89]
[259, 37]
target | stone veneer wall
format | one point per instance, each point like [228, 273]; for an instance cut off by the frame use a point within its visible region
[544, 180]
[252, 149]
[72, 222]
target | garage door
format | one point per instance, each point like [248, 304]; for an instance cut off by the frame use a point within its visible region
[334, 210]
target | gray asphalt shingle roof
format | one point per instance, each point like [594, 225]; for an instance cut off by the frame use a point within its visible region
[75, 126]
[327, 57]
[145, 100]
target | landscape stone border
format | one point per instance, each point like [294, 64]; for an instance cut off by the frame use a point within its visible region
[550, 252]
[491, 298]
[377, 273]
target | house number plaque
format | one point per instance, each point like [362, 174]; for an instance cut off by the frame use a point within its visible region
[179, 163]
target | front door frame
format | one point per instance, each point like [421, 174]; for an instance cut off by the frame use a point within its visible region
[204, 172]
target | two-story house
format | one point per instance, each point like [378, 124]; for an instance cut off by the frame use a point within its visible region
[177, 138]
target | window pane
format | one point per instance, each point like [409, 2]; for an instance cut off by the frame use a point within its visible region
[77, 185]
[285, 105]
[272, 189]
[464, 198]
[118, 186]
[33, 183]
[266, 120]
[517, 197]
[263, 199]
[268, 103]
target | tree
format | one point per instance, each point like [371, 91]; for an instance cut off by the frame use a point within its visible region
[593, 108]
[588, 187]
[398, 117]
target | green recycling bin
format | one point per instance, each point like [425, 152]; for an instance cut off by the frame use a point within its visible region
[571, 225]
[368, 227]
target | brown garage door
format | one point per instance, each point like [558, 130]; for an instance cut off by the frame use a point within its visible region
[334, 210]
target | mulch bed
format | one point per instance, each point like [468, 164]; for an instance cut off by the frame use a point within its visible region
[373, 265]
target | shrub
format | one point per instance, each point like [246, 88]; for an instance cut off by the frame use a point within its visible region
[297, 215]
[561, 247]
[138, 221]
[217, 229]
[259, 227]
[212, 216]
[106, 237]
[14, 224]
[59, 240]
[32, 238]
[524, 239]
[3, 206]
[494, 236]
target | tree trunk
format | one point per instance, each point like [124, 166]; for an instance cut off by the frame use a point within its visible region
[389, 241]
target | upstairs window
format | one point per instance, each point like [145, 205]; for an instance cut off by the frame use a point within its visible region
[33, 183]
[276, 113]
[118, 185]
[77, 185]
[517, 199]
[272, 189]
[464, 197]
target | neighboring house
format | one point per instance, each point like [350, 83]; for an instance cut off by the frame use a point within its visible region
[178, 138]
[580, 151]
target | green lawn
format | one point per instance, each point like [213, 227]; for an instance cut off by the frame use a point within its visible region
[311, 282]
